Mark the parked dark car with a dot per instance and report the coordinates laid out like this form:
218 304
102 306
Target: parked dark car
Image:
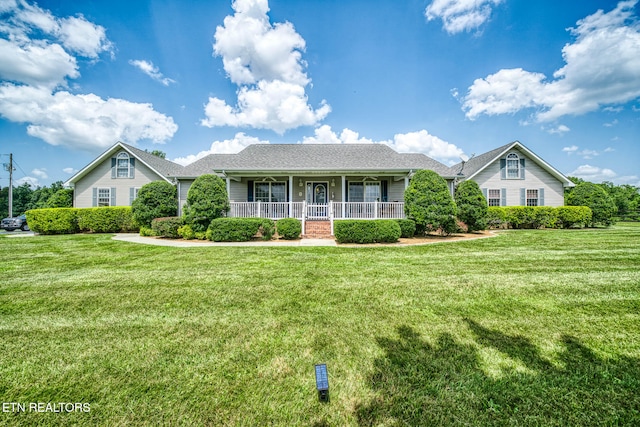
18 222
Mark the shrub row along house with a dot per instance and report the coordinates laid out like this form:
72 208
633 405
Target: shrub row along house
318 183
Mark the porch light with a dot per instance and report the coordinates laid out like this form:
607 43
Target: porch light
322 382
333 182
300 184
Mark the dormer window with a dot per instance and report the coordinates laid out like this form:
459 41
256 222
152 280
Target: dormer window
513 166
122 166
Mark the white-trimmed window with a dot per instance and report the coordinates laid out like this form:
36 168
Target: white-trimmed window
103 197
270 191
513 166
123 165
493 197
368 191
532 197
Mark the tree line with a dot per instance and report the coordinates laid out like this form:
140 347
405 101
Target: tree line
26 197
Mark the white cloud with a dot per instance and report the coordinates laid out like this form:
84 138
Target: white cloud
38 54
461 15
228 146
151 70
265 62
609 149
593 173
588 154
611 124
83 37
40 173
82 121
602 68
559 130
32 181
39 64
70 171
570 150
412 142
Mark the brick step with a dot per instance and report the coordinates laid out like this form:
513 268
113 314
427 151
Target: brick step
315 229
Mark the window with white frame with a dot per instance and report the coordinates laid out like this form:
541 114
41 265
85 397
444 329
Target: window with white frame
493 197
532 197
270 191
123 165
103 197
513 166
368 191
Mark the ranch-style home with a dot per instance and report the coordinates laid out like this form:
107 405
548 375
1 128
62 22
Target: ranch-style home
319 181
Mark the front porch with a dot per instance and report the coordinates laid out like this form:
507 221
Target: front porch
317 212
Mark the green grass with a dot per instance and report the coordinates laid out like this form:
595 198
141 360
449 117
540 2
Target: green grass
528 328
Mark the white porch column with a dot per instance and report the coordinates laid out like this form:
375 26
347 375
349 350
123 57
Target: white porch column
290 196
344 194
406 182
228 187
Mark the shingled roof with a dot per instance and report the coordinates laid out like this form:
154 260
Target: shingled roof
316 158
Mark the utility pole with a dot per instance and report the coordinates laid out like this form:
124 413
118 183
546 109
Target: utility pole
10 168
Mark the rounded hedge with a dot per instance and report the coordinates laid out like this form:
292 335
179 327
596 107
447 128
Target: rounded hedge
289 228
472 205
367 231
207 200
428 202
156 199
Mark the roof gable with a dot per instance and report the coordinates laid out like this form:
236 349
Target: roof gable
161 167
477 164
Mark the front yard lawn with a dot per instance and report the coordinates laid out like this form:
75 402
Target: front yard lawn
528 328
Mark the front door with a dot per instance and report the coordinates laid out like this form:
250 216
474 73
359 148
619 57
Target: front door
317 199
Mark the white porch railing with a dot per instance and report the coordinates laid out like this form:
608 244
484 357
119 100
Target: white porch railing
271 210
333 210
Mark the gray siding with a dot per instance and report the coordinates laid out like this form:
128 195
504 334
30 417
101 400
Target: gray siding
100 177
535 178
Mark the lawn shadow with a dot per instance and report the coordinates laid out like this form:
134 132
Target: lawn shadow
445 383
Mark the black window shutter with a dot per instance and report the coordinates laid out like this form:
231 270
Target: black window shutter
132 168
95 197
503 168
503 197
249 191
113 167
384 190
521 168
346 190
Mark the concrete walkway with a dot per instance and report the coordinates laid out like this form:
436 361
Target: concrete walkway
135 238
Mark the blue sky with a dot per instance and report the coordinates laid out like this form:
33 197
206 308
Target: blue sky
442 77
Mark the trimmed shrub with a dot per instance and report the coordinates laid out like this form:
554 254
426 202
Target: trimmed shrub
233 229
207 200
289 228
429 203
186 232
111 219
53 220
146 231
407 228
472 206
496 217
367 231
167 227
156 199
603 207
570 216
267 228
537 216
